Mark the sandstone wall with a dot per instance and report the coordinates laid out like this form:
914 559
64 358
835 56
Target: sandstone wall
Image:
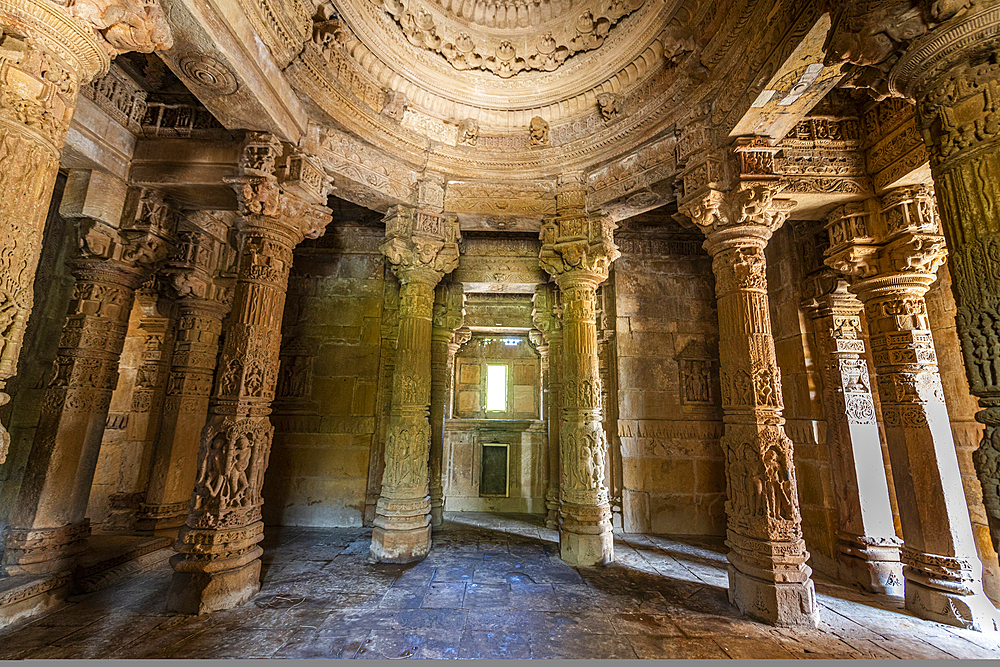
324 411
669 419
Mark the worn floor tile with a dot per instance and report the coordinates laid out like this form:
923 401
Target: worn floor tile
310 645
433 644
577 645
644 624
444 595
494 645
493 587
752 648
451 619
675 648
487 596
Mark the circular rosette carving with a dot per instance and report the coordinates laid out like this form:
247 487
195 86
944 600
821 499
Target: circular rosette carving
208 73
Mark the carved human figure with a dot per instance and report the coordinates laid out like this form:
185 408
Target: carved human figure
468 132
607 104
539 131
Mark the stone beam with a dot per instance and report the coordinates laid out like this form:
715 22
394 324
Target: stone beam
219 55
794 89
192 173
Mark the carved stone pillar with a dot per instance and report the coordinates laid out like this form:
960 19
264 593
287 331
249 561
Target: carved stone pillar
422 247
540 343
48 524
218 561
894 252
140 399
768 576
547 318
47 52
455 343
957 109
867 543
448 314
202 303
577 250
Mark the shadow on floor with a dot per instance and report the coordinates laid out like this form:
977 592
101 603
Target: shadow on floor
492 587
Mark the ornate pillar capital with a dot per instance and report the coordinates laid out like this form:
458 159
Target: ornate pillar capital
421 246
888 245
744 216
280 190
578 248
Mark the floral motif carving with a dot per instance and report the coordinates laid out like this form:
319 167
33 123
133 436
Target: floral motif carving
494 51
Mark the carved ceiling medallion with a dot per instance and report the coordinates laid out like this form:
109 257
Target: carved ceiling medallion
507 38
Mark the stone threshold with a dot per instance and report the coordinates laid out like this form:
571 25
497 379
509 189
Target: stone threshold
111 557
108 558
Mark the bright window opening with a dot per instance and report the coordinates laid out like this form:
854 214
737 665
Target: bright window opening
496 388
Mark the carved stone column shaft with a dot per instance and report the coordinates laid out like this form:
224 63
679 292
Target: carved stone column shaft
447 318
49 522
553 498
894 248
48 51
217 565
546 316
585 535
422 248
768 575
185 409
867 545
958 115
578 249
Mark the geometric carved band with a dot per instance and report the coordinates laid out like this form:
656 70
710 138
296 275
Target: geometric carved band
948 568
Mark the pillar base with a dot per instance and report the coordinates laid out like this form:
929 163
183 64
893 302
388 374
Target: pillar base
194 592
585 537
437 516
949 590
152 518
786 605
972 612
44 551
871 562
390 545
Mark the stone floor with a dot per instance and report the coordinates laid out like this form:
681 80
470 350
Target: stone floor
492 587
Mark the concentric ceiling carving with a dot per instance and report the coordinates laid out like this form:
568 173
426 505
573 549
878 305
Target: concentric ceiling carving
502 55
510 37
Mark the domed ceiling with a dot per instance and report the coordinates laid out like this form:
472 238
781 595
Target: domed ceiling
503 76
504 102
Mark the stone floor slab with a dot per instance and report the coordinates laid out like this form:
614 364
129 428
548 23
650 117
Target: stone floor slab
510 597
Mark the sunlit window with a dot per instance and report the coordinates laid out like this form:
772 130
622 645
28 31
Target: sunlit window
496 388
